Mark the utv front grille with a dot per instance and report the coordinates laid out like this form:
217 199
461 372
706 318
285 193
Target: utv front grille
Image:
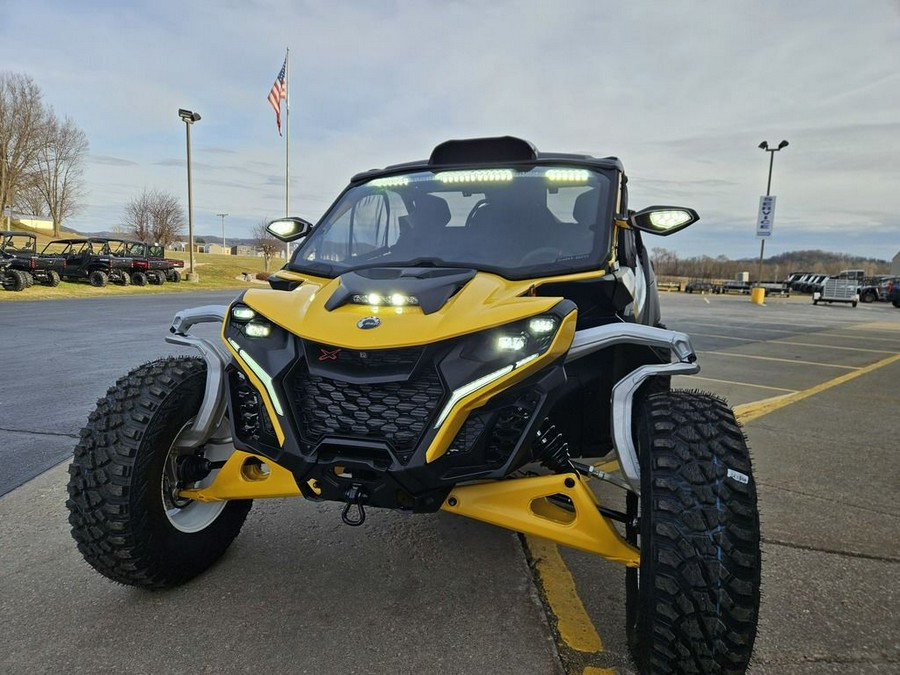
395 412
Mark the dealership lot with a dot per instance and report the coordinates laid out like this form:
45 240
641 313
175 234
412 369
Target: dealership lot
299 592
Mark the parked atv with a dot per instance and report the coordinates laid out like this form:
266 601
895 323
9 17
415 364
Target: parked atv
90 259
148 262
467 333
21 266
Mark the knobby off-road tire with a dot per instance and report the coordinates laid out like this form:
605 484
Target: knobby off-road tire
139 279
693 605
174 276
123 524
98 278
29 279
123 279
51 279
14 280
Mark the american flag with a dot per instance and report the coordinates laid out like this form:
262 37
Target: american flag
278 93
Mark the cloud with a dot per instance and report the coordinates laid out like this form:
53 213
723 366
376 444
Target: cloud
683 92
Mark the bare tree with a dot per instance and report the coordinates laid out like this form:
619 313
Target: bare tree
154 216
265 242
22 118
29 198
60 168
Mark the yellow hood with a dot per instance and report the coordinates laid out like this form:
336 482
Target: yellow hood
484 302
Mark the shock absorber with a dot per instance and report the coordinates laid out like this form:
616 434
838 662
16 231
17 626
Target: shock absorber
551 449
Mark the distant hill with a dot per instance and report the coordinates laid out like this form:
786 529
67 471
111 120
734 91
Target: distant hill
812 260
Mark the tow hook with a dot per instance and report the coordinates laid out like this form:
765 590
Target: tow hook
355 495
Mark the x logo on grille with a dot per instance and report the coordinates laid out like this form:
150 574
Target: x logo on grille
328 354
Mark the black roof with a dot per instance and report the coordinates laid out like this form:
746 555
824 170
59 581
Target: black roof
19 234
500 151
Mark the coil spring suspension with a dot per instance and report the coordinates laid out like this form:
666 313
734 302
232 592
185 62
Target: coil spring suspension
552 450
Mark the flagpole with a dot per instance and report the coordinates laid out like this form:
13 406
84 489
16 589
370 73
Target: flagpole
287 146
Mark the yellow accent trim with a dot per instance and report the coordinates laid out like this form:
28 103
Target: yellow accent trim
521 504
260 388
572 620
445 435
752 411
241 478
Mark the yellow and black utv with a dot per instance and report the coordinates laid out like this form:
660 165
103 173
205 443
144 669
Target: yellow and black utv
467 333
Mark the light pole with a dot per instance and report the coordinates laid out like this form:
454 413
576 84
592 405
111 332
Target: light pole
762 240
189 118
222 216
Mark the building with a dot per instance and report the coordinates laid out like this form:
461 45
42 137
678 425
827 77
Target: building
895 265
34 222
244 250
216 248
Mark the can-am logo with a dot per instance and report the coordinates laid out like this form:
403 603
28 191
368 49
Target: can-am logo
368 322
328 354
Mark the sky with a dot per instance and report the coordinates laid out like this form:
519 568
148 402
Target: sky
682 91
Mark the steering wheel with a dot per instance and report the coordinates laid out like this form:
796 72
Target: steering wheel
478 205
544 254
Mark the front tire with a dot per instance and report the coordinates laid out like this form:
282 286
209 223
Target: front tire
693 605
52 279
126 517
139 279
98 278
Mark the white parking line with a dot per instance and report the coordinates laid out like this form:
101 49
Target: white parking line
851 349
742 384
771 358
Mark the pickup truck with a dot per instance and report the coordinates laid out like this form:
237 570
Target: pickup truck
21 266
90 259
876 288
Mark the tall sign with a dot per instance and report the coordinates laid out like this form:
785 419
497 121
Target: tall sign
765 220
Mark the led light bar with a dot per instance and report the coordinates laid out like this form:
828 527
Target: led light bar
568 175
377 299
477 176
390 181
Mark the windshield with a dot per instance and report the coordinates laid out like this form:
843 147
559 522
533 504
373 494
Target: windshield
17 242
519 224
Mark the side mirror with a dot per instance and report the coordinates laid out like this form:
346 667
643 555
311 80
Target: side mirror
663 220
289 228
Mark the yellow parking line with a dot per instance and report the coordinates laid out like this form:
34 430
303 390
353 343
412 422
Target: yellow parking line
741 384
591 670
771 358
752 411
573 623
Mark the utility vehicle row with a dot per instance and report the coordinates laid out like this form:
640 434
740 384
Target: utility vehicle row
97 260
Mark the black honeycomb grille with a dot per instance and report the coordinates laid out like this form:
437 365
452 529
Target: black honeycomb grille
395 412
468 436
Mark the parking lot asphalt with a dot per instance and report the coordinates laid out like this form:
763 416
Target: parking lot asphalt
301 593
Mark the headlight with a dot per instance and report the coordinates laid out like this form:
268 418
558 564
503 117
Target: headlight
532 336
248 322
242 313
257 329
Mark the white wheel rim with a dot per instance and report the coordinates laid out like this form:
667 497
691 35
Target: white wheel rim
193 516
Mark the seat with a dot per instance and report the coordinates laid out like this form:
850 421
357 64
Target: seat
425 223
